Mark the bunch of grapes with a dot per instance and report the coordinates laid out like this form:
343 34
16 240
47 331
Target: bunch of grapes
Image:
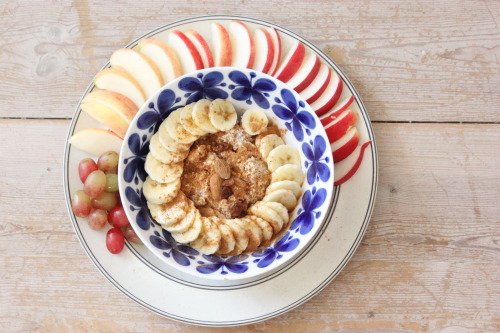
99 201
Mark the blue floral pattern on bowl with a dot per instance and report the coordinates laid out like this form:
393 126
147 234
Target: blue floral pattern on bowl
245 89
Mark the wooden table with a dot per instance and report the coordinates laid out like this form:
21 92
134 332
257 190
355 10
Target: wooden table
429 75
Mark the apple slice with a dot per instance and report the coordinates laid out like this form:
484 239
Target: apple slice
201 45
111 109
243 45
223 51
337 128
277 50
96 141
344 146
142 69
306 73
336 111
163 56
330 96
264 50
119 81
291 63
187 52
347 168
318 85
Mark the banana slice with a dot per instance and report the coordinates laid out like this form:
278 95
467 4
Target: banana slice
161 172
260 209
222 114
162 154
268 143
188 122
267 230
192 233
160 193
240 236
254 234
284 197
210 239
285 185
168 142
176 130
288 172
186 223
280 209
273 129
170 213
254 121
200 116
282 155
228 242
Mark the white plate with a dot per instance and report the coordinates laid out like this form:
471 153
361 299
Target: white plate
141 276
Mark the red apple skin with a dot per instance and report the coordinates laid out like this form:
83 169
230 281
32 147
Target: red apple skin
340 153
277 50
321 90
331 103
192 49
204 45
341 125
252 44
226 52
327 118
293 64
355 167
310 77
270 50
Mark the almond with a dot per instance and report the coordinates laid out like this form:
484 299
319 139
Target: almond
222 169
216 187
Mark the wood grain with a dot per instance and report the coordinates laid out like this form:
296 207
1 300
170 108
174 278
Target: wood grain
411 61
428 263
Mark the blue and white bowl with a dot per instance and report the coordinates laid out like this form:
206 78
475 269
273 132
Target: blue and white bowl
245 89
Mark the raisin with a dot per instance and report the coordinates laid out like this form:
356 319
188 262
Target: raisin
239 209
226 192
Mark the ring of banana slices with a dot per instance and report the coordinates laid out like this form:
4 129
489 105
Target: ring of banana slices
176 213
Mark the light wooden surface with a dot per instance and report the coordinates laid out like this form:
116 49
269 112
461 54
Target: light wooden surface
429 75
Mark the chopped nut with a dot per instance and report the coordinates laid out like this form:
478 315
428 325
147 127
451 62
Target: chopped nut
216 187
222 169
239 182
228 182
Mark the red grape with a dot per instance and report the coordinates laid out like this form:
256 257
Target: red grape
131 235
106 201
108 161
97 219
80 204
111 182
85 167
117 217
115 240
95 184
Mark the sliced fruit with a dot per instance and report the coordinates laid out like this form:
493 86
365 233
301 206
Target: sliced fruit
201 109
267 230
186 222
264 50
254 234
268 131
142 69
188 54
280 209
223 51
171 212
268 143
339 127
160 193
222 114
163 155
282 155
241 237
243 45
228 242
318 85
96 141
288 172
347 168
201 45
163 57
161 172
284 197
260 209
119 81
209 243
176 130
168 142
329 97
336 111
192 233
111 109
291 63
306 73
344 146
285 185
254 121
277 50
186 119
